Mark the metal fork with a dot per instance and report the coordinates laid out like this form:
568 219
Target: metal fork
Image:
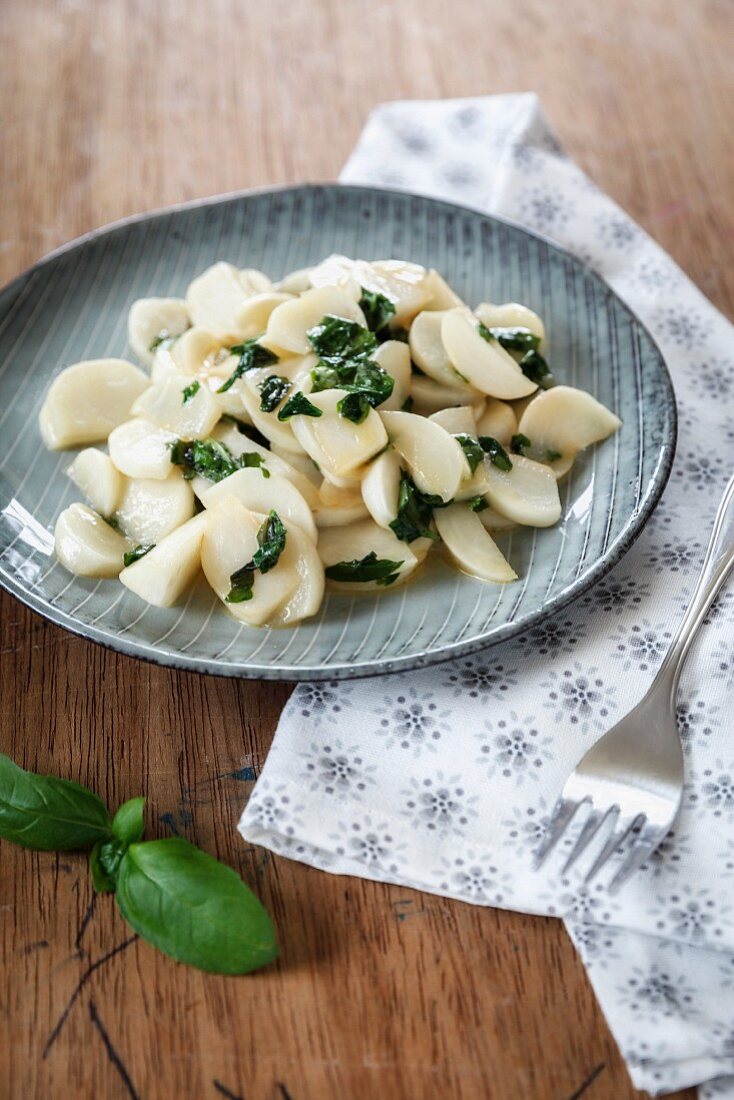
633 777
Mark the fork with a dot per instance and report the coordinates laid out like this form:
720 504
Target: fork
632 778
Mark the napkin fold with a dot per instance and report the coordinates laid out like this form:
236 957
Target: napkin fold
443 779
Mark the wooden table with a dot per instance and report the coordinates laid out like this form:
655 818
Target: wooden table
117 106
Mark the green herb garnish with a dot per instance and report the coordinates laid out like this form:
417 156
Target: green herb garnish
137 553
272 391
369 568
415 511
178 898
519 443
298 405
251 355
377 309
211 459
552 456
164 339
472 449
477 504
498 456
271 542
344 349
407 405
190 391
534 366
354 407
514 339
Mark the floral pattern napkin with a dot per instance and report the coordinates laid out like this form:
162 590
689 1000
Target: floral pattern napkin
443 779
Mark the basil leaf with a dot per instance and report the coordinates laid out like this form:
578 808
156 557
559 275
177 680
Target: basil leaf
104 862
251 355
128 824
516 338
377 309
51 814
242 581
162 340
193 908
251 459
272 391
519 443
369 568
407 405
190 392
535 367
552 456
415 511
498 456
298 405
477 504
208 458
271 540
398 333
335 339
471 448
354 407
324 377
485 333
137 553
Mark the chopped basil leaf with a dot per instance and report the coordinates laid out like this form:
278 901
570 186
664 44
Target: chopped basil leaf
552 456
251 355
211 459
471 448
498 456
272 391
519 443
354 407
516 338
336 339
137 553
377 309
369 568
164 339
112 522
477 504
485 333
271 540
407 405
190 391
415 511
344 349
298 405
534 366
241 581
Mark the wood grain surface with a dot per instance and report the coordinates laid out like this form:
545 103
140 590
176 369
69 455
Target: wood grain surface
116 106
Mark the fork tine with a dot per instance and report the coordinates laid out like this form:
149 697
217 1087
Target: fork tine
592 825
612 844
636 857
564 810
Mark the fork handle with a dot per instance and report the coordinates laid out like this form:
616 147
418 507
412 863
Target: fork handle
716 565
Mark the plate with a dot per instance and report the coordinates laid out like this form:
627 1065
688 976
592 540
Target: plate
73 305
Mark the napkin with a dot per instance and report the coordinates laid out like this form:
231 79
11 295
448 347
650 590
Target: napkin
443 779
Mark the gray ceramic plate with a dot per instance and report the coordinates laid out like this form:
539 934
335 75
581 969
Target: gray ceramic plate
73 305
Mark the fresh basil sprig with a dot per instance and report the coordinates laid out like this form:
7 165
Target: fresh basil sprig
137 552
415 512
378 312
271 540
344 349
175 896
272 391
211 459
189 392
496 453
297 405
519 443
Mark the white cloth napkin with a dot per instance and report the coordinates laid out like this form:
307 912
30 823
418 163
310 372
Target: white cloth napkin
442 779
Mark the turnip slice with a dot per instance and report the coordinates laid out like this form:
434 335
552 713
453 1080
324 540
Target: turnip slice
254 313
87 400
96 475
260 494
182 405
309 590
86 545
215 297
291 321
152 319
527 494
428 352
459 420
471 546
485 364
435 460
430 396
150 508
563 421
165 572
394 357
510 315
498 421
352 543
339 506
336 444
141 449
380 488
442 296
